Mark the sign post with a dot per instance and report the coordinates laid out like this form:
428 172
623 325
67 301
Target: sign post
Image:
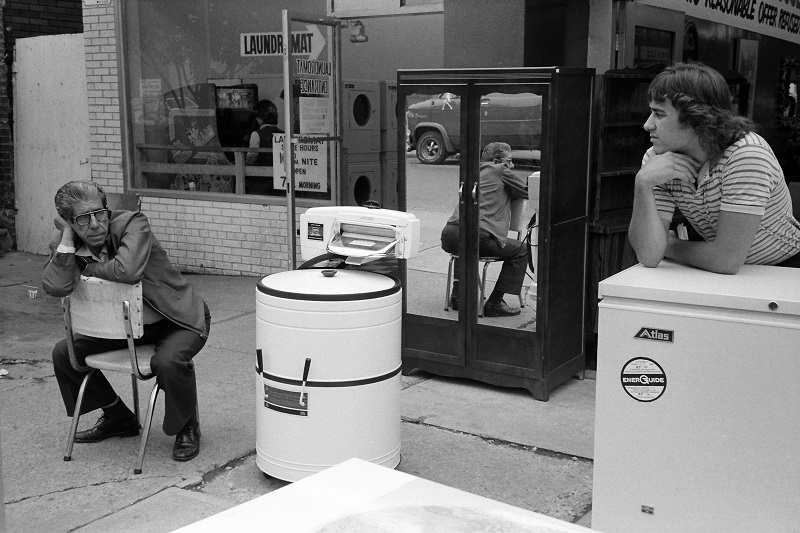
309 153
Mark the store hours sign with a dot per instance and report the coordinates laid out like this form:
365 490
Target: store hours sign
310 165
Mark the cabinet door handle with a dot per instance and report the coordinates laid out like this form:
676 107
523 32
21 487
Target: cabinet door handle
461 193
475 194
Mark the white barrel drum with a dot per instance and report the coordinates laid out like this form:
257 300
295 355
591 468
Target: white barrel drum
328 370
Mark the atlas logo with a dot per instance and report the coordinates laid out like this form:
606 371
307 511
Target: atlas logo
653 334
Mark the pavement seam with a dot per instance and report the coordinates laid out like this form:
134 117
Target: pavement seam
212 474
78 528
67 489
504 443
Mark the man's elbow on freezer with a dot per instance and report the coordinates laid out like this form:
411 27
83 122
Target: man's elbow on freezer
650 261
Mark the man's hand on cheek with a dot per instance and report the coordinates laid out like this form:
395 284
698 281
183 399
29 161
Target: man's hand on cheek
67 233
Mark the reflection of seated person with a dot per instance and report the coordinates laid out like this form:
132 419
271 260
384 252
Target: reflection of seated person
499 186
266 126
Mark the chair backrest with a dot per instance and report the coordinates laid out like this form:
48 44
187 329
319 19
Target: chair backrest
96 308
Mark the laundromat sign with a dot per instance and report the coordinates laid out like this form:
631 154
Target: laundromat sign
268 44
776 18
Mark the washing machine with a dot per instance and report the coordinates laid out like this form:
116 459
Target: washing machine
362 117
362 181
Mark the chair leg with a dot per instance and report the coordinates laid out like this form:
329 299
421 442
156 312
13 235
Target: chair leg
482 282
447 287
135 387
146 429
76 416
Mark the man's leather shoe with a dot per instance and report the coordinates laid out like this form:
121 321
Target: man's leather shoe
492 309
187 443
109 427
453 301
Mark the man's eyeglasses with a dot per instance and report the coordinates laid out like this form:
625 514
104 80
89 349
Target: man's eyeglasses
101 215
508 161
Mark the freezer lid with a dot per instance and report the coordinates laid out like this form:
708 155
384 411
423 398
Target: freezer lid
754 288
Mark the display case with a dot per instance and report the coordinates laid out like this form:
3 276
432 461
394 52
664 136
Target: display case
550 125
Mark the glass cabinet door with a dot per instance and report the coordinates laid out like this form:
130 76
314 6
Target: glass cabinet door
511 114
433 175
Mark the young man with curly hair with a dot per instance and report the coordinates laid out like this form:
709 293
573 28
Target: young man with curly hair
709 162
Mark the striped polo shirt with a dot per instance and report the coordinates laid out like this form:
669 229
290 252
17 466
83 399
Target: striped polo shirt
746 179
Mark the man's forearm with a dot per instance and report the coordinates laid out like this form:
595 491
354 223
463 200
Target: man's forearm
646 231
727 252
702 254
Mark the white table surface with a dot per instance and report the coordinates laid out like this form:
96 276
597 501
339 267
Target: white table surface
358 496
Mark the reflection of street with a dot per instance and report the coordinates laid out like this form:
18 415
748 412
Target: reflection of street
431 195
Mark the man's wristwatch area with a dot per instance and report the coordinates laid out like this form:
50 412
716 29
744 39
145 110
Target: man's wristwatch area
63 249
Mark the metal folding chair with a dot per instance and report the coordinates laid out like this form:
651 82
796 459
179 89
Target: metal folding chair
110 310
481 282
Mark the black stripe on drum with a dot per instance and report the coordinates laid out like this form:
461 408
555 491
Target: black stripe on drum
349 383
281 409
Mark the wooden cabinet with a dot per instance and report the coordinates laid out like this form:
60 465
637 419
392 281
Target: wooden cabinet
621 109
543 346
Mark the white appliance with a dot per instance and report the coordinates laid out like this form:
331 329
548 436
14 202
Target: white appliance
328 346
362 120
698 403
359 233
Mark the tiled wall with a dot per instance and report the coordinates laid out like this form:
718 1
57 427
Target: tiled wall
199 236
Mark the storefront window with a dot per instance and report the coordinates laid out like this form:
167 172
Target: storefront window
205 96
652 46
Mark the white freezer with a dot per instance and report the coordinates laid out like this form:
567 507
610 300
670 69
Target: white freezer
697 417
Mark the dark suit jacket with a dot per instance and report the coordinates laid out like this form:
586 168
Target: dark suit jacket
134 254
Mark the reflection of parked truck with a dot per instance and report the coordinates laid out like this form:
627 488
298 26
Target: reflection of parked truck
433 124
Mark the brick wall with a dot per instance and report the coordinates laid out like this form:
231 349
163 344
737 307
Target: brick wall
200 236
23 18
29 18
220 238
102 84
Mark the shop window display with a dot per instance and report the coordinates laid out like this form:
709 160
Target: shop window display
789 116
196 73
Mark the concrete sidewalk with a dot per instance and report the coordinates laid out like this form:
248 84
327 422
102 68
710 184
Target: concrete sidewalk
495 442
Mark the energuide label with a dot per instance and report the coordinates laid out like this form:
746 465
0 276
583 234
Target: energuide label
643 379
285 401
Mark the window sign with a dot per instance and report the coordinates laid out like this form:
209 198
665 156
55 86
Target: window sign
310 165
265 44
776 18
316 113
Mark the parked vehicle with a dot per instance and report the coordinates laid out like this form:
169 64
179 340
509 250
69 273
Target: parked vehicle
433 124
